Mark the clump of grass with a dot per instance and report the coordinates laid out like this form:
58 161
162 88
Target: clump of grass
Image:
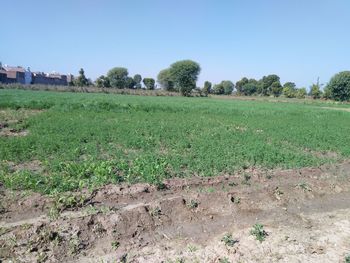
347 259
259 232
228 240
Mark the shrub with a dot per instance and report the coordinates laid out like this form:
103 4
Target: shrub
338 87
315 90
301 93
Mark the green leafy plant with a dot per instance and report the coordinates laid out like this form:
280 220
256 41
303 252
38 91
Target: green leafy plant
259 232
228 240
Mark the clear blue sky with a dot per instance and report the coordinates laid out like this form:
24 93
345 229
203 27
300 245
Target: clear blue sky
299 40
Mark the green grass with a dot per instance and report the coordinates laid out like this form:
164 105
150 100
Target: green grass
88 140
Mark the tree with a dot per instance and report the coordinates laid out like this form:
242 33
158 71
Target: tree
149 83
240 84
184 75
219 89
102 82
207 88
165 81
266 84
250 88
339 86
228 86
118 77
138 79
289 90
81 80
130 83
276 89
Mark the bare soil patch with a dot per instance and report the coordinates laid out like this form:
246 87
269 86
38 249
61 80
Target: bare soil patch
305 213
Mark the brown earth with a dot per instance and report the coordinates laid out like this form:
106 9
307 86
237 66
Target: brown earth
305 212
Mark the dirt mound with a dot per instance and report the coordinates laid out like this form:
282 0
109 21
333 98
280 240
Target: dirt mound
305 214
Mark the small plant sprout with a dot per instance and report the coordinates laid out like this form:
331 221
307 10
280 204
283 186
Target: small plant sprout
259 232
228 240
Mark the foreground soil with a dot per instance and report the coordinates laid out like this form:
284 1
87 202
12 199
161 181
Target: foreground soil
305 213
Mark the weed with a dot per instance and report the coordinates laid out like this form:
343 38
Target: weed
155 212
246 178
259 232
232 184
192 248
228 240
347 259
192 204
304 186
235 200
73 245
224 260
115 244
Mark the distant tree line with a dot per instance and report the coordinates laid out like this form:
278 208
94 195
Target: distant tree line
182 77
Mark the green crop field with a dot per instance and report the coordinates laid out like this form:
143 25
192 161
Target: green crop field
87 140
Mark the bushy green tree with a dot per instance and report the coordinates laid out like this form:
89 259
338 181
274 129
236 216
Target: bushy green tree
218 89
276 89
240 85
165 80
339 86
250 88
137 80
118 77
130 83
149 83
228 86
81 80
265 87
224 87
184 74
102 82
